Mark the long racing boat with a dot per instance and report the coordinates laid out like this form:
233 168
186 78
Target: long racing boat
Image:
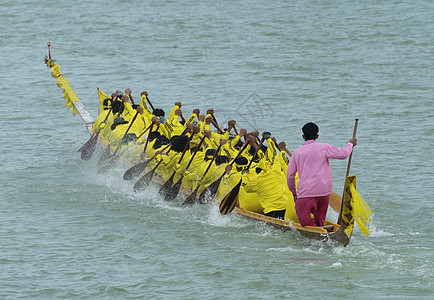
353 208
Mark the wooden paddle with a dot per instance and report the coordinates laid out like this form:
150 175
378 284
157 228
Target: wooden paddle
348 172
211 190
165 189
173 192
137 169
192 197
228 203
88 148
108 163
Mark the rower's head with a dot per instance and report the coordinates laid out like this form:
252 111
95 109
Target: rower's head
221 159
160 141
209 154
238 145
153 135
253 150
179 142
240 163
158 112
310 131
106 104
117 107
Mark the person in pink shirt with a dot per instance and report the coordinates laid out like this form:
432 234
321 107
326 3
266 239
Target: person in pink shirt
315 184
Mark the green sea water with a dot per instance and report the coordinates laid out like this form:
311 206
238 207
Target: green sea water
67 232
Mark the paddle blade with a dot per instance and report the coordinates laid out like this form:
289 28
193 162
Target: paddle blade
88 148
135 170
230 200
144 181
164 190
190 199
107 164
104 156
335 202
173 192
210 191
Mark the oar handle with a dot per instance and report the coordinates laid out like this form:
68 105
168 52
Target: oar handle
216 126
131 98
235 129
351 154
149 101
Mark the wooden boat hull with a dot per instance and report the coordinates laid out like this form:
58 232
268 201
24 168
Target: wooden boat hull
330 231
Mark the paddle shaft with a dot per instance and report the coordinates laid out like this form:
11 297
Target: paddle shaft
126 132
211 190
195 151
192 197
256 152
138 168
235 129
216 125
170 195
348 170
147 139
168 184
131 98
149 101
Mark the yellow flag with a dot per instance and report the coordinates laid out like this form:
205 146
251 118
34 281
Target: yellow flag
101 97
362 211
63 83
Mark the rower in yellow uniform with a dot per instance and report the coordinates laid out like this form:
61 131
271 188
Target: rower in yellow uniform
267 181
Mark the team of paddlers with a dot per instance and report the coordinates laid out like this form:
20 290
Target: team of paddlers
196 154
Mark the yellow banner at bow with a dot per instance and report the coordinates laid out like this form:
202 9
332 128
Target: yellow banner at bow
63 83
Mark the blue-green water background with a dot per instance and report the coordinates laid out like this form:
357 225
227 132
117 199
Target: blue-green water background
67 232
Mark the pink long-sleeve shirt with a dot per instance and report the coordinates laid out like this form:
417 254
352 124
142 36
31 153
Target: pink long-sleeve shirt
311 161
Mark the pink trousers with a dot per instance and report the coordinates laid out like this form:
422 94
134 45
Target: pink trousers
316 205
